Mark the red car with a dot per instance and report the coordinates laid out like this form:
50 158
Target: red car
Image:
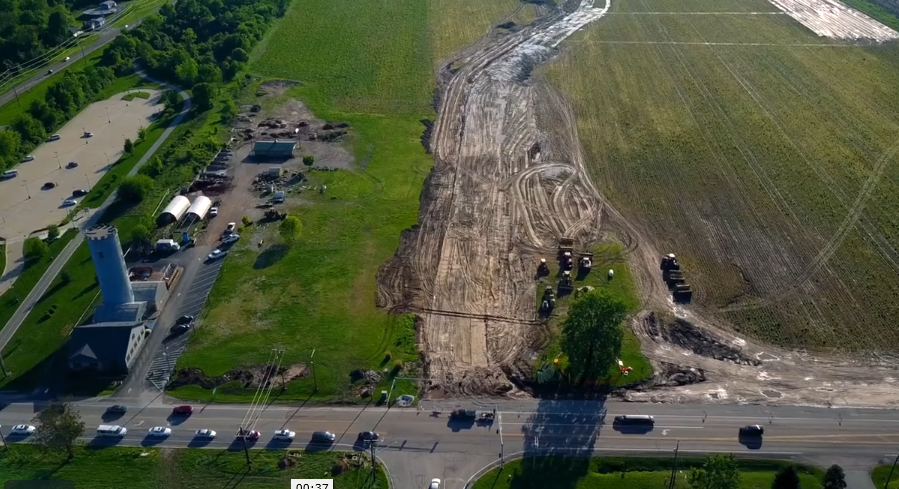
250 435
183 410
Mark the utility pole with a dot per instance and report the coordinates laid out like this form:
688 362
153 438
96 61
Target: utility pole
889 477
16 92
502 446
314 378
83 56
246 450
372 447
674 467
6 373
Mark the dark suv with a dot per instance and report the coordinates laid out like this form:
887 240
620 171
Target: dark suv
183 411
117 409
752 430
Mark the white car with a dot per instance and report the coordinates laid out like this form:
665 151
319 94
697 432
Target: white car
205 434
231 226
231 238
68 58
54 137
285 435
28 158
22 429
69 202
435 484
214 211
215 255
159 431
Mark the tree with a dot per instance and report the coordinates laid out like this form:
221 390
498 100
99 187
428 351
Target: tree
717 472
209 73
204 94
229 110
35 249
10 142
129 146
834 478
140 234
592 335
134 189
309 160
30 129
187 71
786 478
141 133
58 427
291 229
52 232
246 221
65 276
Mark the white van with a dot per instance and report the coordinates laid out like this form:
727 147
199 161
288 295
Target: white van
9 174
111 430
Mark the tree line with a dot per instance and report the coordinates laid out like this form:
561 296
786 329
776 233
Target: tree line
28 28
63 100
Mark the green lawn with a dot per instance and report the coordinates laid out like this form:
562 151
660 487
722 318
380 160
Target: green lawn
2 259
765 163
187 469
133 95
606 472
875 11
880 474
605 257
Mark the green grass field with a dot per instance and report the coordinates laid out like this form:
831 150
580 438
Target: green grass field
768 164
456 24
185 469
881 473
605 257
603 472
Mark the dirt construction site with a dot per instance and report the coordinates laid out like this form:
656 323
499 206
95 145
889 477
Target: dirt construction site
509 181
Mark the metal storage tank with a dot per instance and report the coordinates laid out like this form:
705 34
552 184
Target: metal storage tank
174 211
106 252
200 207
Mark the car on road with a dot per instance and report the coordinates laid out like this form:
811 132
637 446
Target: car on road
435 484
181 328
285 435
248 434
68 58
87 134
117 409
208 434
159 431
185 320
69 202
79 192
231 238
54 137
323 437
214 211
28 158
49 72
368 436
215 255
752 430
49 185
72 164
22 430
182 410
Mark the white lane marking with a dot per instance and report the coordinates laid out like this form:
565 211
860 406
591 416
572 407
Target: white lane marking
665 432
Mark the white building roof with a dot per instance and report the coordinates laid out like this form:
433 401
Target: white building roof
177 207
200 207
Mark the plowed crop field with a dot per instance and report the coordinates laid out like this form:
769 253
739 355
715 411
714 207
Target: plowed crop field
766 157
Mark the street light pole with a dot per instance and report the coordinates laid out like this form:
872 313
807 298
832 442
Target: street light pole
26 190
88 182
107 158
108 120
57 160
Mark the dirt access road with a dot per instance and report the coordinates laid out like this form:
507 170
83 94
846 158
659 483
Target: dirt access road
509 180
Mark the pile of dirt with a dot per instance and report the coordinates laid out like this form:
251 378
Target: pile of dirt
369 376
685 335
290 460
479 381
249 378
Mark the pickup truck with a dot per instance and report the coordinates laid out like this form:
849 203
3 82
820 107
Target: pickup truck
485 417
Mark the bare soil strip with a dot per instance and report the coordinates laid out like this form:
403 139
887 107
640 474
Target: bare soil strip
831 18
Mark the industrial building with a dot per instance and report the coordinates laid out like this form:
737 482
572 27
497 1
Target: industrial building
173 212
199 208
116 335
274 149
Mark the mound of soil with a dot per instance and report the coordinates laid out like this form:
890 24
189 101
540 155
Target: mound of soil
249 378
685 335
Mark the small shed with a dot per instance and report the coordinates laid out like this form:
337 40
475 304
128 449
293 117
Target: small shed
274 149
174 211
200 207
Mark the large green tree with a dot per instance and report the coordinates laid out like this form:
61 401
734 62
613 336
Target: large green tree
134 189
717 472
291 229
834 478
59 427
35 249
592 334
786 478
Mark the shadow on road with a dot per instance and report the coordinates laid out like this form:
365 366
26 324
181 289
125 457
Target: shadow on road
104 442
152 441
750 442
199 442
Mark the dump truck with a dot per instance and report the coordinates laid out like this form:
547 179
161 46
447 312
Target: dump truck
673 277
565 283
585 262
669 262
682 293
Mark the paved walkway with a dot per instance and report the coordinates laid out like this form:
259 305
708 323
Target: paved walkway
41 287
859 479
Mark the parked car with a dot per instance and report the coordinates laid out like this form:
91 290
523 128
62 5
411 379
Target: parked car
72 164
87 134
183 410
323 437
435 484
159 431
22 430
231 238
231 226
69 202
54 137
28 158
117 409
49 185
185 320
181 328
285 435
79 192
205 434
214 211
215 255
752 430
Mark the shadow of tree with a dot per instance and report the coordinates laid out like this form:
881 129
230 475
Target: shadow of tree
270 256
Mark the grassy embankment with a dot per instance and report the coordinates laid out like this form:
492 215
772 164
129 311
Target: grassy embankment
195 469
621 286
880 474
625 473
763 162
371 67
875 11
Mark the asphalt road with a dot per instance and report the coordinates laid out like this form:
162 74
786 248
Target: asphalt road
41 287
106 37
417 445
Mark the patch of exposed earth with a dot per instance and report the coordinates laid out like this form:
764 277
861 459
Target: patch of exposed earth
248 377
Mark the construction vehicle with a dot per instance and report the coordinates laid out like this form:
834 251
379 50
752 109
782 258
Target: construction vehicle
542 268
585 262
669 262
682 293
566 245
548 302
567 261
485 417
565 283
